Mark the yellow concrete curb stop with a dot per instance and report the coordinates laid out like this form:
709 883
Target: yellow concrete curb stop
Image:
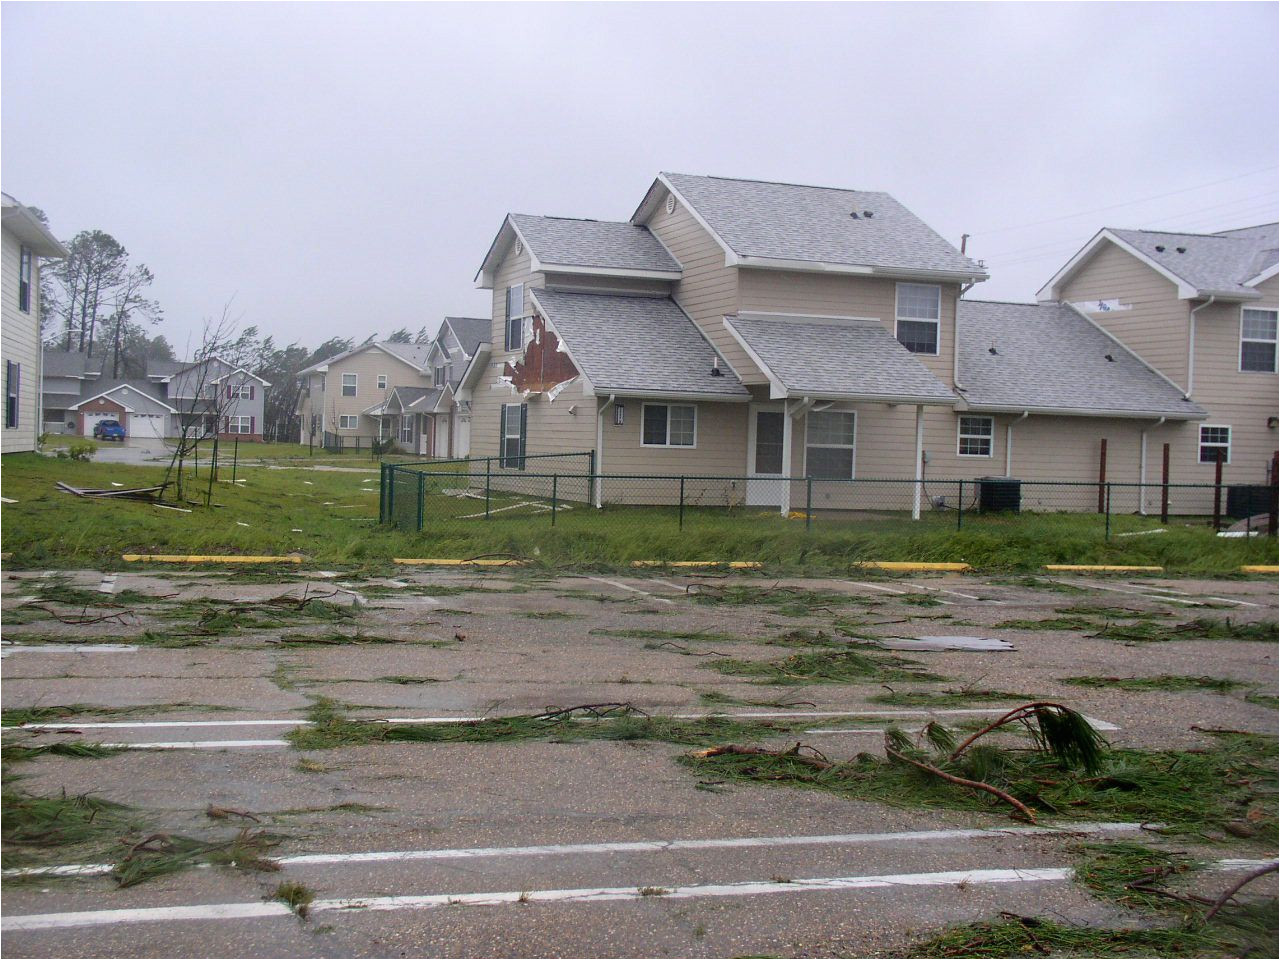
1260 568
732 564
480 562
202 558
909 566
1101 568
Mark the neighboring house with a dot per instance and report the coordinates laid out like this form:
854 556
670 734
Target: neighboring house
211 395
343 399
774 331
445 428
25 241
1201 309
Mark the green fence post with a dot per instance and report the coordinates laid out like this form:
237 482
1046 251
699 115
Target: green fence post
422 497
554 478
391 496
382 493
1108 509
235 459
488 482
682 502
808 503
960 506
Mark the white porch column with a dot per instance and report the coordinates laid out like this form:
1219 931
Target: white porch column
918 486
785 500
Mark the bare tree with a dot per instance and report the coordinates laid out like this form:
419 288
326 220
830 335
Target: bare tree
130 304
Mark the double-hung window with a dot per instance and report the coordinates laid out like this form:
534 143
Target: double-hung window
513 427
349 383
240 425
974 436
240 391
669 425
24 279
1258 340
12 386
382 381
346 422
828 444
439 376
515 317
1215 440
918 313
406 429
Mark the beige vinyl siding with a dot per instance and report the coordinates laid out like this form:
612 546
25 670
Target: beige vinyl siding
1155 327
21 344
550 428
367 365
708 290
721 442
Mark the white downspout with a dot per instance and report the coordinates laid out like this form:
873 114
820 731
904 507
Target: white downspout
600 447
919 484
1142 465
1008 443
955 341
1191 345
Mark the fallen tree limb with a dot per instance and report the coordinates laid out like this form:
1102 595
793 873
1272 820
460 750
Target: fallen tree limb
1238 886
962 782
817 760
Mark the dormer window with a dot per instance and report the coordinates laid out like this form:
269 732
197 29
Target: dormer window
439 376
918 315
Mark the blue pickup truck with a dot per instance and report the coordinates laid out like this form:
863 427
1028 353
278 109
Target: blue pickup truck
108 430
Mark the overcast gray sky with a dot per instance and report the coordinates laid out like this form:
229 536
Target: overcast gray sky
341 168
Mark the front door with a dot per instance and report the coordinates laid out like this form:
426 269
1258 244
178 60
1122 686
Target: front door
766 439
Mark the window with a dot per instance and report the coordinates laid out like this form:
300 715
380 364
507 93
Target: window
1258 340
669 425
240 391
515 317
439 376
349 382
511 435
918 311
24 279
12 384
974 437
406 429
382 381
348 422
239 424
1212 440
828 445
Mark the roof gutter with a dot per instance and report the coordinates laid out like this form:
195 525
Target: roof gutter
1191 346
1082 412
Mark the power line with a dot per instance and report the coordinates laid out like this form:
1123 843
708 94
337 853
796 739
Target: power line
1128 203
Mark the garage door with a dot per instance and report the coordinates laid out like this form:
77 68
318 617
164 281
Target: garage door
91 419
146 426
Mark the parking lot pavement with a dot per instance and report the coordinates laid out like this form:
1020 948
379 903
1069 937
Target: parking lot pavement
536 847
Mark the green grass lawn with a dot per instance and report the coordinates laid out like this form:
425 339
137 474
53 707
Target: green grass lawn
331 518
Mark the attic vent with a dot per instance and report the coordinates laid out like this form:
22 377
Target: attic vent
1110 358
1182 249
1159 249
671 203
519 246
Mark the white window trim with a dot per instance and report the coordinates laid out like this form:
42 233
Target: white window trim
508 317
853 467
511 461
1244 340
937 343
342 418
239 391
406 427
1200 444
382 381
989 437
355 384
674 446
235 423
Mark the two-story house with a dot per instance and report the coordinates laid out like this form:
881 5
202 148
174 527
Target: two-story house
1201 309
24 240
775 331
430 420
216 397
343 399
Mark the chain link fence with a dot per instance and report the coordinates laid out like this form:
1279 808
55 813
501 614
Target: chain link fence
450 497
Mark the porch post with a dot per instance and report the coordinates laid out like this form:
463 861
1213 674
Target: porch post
918 486
784 502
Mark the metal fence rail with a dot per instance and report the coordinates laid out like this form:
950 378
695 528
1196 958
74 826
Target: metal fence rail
451 497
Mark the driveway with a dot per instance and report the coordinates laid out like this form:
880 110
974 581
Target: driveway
134 450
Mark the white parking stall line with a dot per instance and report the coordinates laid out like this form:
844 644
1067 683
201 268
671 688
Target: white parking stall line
239 911
668 584
67 648
953 593
1133 593
876 586
638 846
1239 603
623 586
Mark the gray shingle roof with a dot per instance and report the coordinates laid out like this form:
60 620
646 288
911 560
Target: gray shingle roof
413 353
1049 357
817 357
1212 263
785 221
165 368
470 331
411 397
151 391
68 363
593 243
636 345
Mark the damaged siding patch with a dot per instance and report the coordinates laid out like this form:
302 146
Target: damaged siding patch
545 366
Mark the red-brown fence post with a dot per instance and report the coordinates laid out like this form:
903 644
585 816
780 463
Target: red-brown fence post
1102 477
1164 488
1217 490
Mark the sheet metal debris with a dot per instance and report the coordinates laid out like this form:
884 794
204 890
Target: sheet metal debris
971 644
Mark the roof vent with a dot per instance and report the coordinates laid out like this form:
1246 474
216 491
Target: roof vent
1182 249
868 214
993 351
1110 358
715 367
1159 248
671 203
854 214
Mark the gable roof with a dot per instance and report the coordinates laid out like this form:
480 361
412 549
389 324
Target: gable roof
829 358
637 346
1050 358
26 226
1226 265
567 245
816 229
136 388
417 399
414 354
470 331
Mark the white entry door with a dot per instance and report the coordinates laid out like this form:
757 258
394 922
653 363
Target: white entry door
767 435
